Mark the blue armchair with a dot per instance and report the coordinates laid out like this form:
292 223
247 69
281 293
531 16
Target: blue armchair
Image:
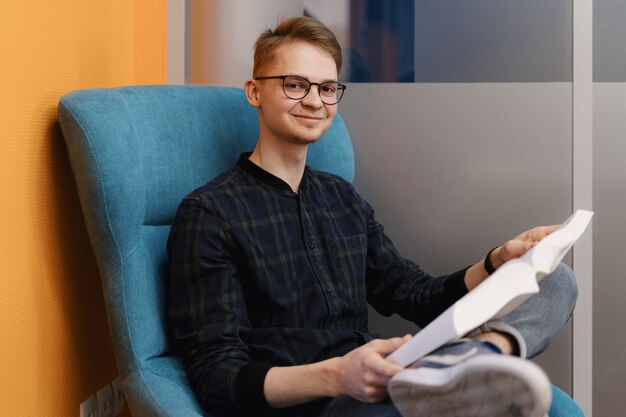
135 152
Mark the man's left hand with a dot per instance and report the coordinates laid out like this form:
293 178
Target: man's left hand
519 245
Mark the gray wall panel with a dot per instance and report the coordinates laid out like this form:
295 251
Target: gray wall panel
609 48
454 169
493 40
609 291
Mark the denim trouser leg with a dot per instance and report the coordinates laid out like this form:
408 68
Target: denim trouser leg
562 406
537 322
349 407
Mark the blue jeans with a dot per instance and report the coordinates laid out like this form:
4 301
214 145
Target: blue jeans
536 324
562 406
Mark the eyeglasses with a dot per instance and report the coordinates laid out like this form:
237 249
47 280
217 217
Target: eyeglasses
296 88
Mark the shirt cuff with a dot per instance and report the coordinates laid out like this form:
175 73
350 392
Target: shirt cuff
455 283
249 386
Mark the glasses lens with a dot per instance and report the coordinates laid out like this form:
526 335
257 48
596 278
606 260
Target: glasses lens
331 92
328 91
296 87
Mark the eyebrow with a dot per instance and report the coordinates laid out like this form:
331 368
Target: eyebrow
321 82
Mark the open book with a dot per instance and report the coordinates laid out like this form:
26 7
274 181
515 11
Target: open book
499 294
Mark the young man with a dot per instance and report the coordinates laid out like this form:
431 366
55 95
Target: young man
273 264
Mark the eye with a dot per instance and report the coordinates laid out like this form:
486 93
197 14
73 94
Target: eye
329 88
296 84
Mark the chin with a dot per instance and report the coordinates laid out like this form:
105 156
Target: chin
310 136
303 140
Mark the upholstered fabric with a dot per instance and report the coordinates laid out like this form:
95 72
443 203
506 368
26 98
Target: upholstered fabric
135 152
563 405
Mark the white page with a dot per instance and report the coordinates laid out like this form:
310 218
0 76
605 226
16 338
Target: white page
507 288
548 253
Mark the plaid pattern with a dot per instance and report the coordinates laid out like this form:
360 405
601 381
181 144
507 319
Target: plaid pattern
262 276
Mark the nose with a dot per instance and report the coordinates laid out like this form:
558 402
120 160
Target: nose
313 99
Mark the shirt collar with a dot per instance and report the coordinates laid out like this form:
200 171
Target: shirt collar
265 177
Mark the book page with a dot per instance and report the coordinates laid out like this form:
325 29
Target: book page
507 288
548 253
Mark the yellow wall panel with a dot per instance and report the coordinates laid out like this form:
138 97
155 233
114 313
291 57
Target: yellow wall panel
55 350
149 57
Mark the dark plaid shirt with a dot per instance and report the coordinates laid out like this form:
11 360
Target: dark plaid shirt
262 276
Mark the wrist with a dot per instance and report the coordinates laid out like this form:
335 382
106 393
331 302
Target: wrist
331 377
291 385
490 267
496 258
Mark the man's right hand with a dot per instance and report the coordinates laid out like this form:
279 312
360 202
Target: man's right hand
364 372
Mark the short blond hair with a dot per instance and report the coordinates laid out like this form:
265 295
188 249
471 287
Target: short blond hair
299 28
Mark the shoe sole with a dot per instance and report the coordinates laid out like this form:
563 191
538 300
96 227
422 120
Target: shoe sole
483 386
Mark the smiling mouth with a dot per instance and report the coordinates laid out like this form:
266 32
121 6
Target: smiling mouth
309 121
307 117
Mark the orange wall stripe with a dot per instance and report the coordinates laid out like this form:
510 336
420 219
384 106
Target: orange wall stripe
55 350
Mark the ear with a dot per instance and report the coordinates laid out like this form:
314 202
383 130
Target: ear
252 93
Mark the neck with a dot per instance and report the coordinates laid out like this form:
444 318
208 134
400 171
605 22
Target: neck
287 163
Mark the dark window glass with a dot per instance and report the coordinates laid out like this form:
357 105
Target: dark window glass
453 40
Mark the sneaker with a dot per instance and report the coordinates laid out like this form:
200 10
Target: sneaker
470 378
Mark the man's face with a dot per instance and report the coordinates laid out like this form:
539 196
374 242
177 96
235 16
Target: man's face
296 121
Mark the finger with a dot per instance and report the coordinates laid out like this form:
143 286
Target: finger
384 346
375 379
537 233
528 236
546 230
374 394
513 249
382 366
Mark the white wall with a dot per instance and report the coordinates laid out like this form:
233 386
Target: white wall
221 36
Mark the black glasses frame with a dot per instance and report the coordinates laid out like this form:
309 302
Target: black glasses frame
341 88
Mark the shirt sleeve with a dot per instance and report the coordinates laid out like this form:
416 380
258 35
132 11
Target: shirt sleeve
398 285
208 315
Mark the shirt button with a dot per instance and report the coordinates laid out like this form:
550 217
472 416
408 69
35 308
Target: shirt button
327 289
311 245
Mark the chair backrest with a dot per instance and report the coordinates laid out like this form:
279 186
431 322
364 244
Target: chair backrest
135 152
